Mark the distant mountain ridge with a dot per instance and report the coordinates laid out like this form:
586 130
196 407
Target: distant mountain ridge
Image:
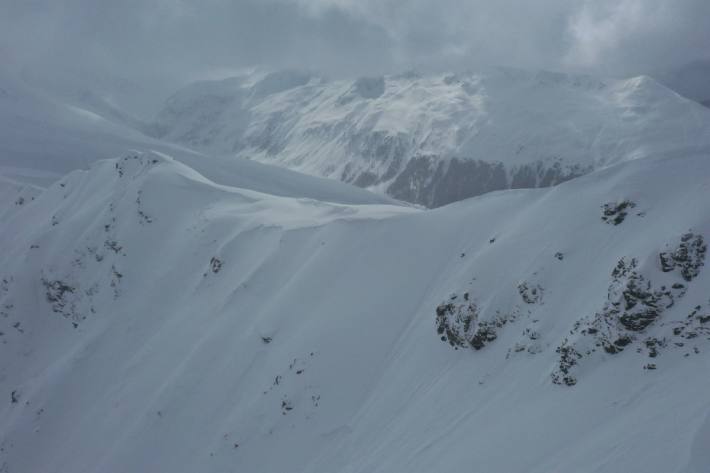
435 139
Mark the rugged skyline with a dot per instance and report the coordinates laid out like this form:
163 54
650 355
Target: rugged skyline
158 45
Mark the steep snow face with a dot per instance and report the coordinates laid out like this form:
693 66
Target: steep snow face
432 140
153 320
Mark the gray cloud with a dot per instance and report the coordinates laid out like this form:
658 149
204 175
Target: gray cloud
609 36
162 44
625 36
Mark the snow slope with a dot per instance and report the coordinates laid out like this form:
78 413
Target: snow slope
436 139
43 137
153 320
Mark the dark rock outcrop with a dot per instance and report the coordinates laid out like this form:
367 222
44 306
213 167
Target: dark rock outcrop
614 213
688 257
458 322
634 305
433 182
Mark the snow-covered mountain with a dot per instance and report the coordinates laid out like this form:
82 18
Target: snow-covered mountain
154 320
170 310
432 140
43 137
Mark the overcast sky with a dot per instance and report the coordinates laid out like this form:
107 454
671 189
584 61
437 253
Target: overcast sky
173 41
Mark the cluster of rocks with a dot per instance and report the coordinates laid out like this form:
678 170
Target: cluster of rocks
529 343
456 321
291 385
634 304
531 294
459 322
143 217
75 300
128 163
632 316
59 294
688 257
6 305
615 213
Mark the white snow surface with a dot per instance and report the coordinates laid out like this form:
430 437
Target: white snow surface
43 137
168 310
154 320
367 130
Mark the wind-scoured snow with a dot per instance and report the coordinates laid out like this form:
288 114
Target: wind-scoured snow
155 320
435 139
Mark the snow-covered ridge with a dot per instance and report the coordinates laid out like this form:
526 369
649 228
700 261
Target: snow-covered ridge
153 320
436 139
44 137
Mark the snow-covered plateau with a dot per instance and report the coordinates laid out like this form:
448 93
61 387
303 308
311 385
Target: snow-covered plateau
169 310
